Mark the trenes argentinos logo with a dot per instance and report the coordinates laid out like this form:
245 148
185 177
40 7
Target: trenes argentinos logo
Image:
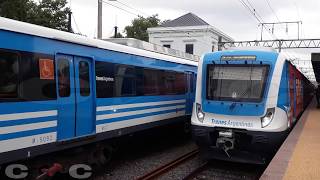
106 79
230 123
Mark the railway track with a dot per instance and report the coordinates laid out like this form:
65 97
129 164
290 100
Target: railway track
226 170
208 170
197 171
169 166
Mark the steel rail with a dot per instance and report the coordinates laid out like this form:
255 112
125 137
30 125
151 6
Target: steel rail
162 169
197 171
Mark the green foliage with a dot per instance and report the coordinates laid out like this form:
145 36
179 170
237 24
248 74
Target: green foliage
139 26
49 13
119 35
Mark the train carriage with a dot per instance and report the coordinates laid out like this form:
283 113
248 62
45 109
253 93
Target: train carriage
246 102
60 90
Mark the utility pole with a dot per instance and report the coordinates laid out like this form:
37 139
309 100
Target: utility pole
115 31
261 31
69 22
99 19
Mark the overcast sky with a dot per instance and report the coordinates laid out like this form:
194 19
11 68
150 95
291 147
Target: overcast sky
230 16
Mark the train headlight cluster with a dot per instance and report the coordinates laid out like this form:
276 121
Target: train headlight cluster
267 118
200 113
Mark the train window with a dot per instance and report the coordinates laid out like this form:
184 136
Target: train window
37 77
64 78
151 82
84 78
125 84
115 80
236 82
8 74
168 83
104 79
181 83
139 81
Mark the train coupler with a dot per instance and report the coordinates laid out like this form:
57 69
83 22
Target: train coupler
225 141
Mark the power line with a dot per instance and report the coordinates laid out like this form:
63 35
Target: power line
168 28
255 13
268 2
74 19
250 10
121 9
75 22
130 7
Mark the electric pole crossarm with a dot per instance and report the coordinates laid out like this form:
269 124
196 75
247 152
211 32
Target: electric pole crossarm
277 44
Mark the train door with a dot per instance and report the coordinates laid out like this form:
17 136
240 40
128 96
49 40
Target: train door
75 96
191 91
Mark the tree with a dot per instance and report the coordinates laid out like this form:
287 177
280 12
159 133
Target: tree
139 26
49 13
22 10
119 35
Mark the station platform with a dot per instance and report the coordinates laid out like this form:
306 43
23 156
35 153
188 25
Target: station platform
299 155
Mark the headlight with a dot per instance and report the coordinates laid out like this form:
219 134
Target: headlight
199 112
266 119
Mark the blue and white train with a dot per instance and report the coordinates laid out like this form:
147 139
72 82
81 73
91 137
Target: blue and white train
60 90
246 102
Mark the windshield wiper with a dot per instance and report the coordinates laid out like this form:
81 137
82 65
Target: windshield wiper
233 105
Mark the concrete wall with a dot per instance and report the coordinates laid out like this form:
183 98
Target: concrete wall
202 37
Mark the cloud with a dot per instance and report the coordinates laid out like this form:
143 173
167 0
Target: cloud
230 16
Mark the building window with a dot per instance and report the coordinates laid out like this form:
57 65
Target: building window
189 48
167 45
212 48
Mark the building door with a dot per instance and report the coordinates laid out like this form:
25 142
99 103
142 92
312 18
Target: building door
75 96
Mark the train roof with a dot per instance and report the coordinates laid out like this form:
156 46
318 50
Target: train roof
253 48
242 52
31 29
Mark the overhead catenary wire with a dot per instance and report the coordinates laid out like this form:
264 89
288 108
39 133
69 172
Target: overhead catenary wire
131 7
248 5
74 19
275 14
253 11
121 8
168 28
75 22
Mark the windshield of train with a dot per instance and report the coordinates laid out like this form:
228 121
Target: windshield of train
236 82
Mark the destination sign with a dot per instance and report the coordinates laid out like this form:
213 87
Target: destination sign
238 58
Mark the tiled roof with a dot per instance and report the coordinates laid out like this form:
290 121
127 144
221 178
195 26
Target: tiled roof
186 20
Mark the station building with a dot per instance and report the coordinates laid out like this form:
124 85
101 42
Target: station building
188 33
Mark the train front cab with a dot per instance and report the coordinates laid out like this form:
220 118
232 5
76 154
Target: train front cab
242 105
